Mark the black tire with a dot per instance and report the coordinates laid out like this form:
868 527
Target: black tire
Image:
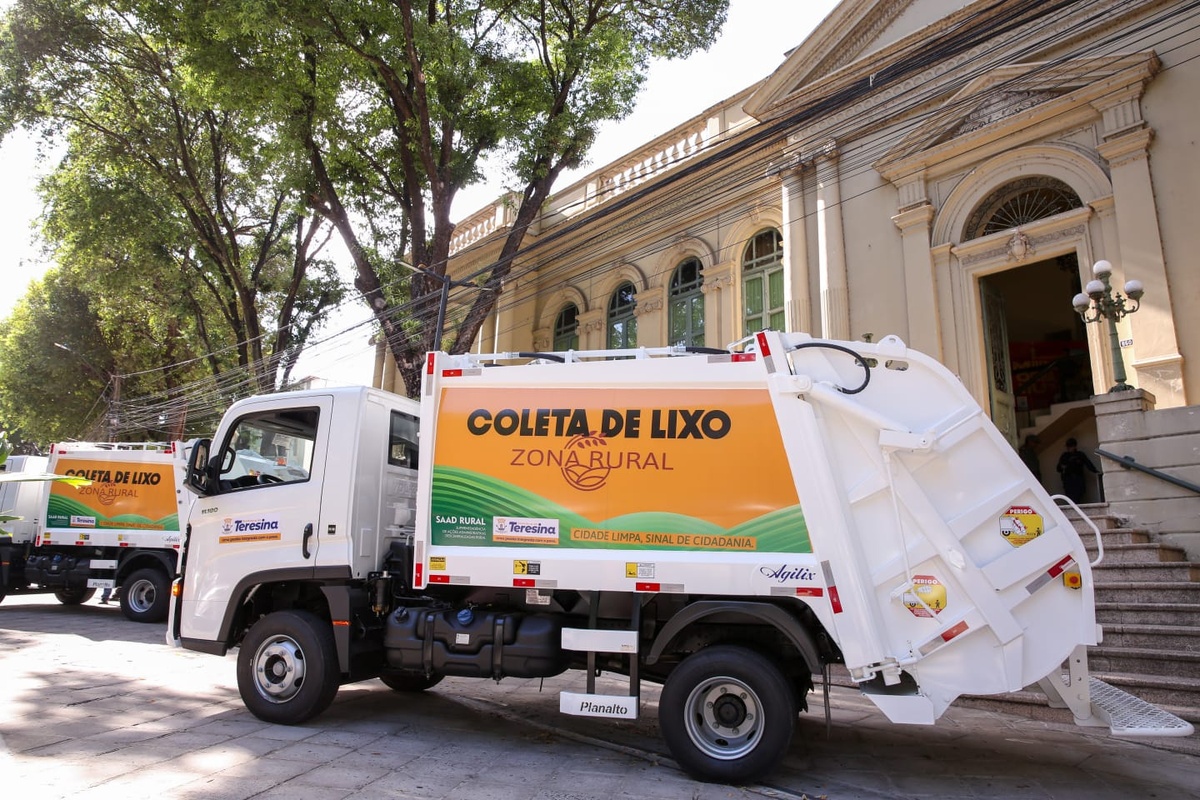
287 668
409 683
146 595
727 713
74 596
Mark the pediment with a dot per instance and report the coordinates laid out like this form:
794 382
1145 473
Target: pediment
853 31
1024 92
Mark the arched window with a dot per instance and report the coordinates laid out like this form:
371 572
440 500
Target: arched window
566 328
762 283
1020 202
622 324
686 317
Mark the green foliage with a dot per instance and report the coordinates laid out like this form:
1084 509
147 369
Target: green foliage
182 220
396 103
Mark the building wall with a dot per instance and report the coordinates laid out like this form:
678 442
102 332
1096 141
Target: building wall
872 194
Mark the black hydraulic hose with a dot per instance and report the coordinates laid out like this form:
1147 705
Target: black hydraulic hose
546 356
857 357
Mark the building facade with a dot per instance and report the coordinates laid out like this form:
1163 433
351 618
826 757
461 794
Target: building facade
948 172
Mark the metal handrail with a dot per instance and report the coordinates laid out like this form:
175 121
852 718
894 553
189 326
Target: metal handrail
1128 463
1090 524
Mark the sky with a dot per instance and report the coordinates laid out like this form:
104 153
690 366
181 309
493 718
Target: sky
754 41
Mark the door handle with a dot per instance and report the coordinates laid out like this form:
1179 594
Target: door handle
308 530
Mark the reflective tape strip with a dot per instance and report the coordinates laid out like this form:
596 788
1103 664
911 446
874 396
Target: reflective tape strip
439 578
835 600
645 587
946 635
1058 569
524 583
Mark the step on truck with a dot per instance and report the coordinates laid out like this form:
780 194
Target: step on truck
726 523
120 532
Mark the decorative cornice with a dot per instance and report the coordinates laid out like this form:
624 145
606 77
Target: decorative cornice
1130 147
1008 250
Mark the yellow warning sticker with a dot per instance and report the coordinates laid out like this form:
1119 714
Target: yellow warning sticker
437 563
932 596
1020 525
634 569
522 567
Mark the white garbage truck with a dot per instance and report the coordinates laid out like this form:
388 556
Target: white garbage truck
119 532
728 523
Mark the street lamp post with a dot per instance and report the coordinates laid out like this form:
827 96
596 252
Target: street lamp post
1107 305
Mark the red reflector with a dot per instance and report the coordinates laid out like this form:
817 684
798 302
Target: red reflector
1058 568
955 631
810 591
762 344
418 572
743 357
834 600
452 373
645 587
439 578
524 583
341 623
429 363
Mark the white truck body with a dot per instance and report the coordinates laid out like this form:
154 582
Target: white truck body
120 532
726 522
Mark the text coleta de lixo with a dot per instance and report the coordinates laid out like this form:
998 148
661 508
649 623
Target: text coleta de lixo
131 477
632 423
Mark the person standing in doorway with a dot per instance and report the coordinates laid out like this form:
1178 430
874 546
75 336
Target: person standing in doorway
1071 465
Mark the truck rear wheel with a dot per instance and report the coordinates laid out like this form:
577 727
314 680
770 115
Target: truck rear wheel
74 596
287 667
146 595
727 714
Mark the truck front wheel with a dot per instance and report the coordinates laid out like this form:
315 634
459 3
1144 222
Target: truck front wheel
287 667
74 596
727 714
146 595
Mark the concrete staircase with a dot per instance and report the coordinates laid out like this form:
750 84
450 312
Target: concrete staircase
1148 602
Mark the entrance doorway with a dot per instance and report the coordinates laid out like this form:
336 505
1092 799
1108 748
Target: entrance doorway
1037 349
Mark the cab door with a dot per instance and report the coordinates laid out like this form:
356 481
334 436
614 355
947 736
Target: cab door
259 522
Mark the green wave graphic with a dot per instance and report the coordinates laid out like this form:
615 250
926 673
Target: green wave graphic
60 509
460 492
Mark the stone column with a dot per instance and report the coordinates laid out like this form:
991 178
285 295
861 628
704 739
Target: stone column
798 304
835 296
517 308
718 322
651 322
1155 348
920 288
592 334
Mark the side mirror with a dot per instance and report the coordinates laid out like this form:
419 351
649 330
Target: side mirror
199 479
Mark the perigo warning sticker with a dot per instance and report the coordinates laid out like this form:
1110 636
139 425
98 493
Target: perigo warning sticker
1020 525
932 594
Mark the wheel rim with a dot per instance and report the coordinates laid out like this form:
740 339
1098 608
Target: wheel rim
279 669
723 718
140 596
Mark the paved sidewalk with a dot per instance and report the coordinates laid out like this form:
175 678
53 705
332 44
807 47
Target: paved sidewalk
95 706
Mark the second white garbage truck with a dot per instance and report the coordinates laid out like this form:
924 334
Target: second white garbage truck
727 523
